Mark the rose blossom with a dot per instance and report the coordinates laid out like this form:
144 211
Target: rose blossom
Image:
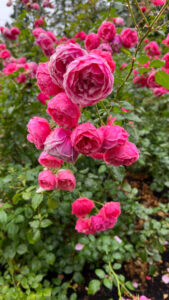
106 31
166 58
125 154
50 161
88 80
105 47
82 206
38 129
166 41
152 49
35 6
118 21
47 180
141 80
66 180
129 38
15 31
81 35
5 54
38 31
65 113
86 139
107 56
158 92
92 41
97 155
45 82
83 225
58 144
2 47
59 61
112 136
116 44
158 2
98 223
42 98
110 210
79 247
151 82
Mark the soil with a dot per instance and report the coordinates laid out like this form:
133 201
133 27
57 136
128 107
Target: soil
136 271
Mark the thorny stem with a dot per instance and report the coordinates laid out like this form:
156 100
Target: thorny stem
105 108
157 28
133 17
143 15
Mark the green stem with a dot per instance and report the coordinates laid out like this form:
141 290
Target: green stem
98 114
117 280
142 14
133 17
105 108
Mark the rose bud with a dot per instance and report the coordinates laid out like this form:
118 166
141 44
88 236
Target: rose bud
38 129
50 161
47 180
66 180
82 206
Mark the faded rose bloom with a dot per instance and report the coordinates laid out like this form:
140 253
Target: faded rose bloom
79 247
152 49
92 41
118 21
107 31
47 180
129 38
50 161
65 113
38 129
112 136
60 60
107 56
88 80
86 139
5 54
118 239
165 279
44 81
42 98
156 3
116 44
66 180
32 67
83 225
105 47
82 206
125 155
58 144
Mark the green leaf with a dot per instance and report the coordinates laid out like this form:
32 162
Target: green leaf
36 200
132 117
45 223
22 248
94 286
73 296
102 169
108 283
156 63
100 273
162 78
144 70
117 266
129 286
3 217
143 60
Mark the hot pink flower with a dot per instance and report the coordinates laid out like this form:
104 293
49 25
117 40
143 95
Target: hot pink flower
10 68
2 47
146 41
125 110
58 144
118 21
152 49
107 56
65 113
141 80
15 31
107 31
151 82
125 155
38 129
98 223
39 22
45 82
144 298
105 47
112 136
83 225
66 180
50 161
52 36
166 58
42 98
35 6
110 210
81 35
86 139
92 41
166 41
21 78
123 66
116 44
82 206
60 60
21 60
156 3
97 155
158 92
38 31
129 38
47 180
88 80
143 8
5 54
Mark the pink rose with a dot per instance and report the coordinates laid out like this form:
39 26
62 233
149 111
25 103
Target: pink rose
105 47
125 155
38 129
98 223
10 68
141 80
60 60
58 144
129 38
151 82
50 161
83 225
32 67
39 22
166 58
158 92
110 210
2 47
107 31
5 54
38 31
47 180
88 80
158 2
15 31
92 41
21 60
143 8
81 35
82 206
42 98
118 21
21 78
116 44
65 113
45 82
44 41
166 41
112 136
52 36
66 180
152 49
86 139
144 298
97 155
107 56
35 6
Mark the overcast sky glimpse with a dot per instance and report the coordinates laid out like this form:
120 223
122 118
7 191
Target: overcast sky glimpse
5 12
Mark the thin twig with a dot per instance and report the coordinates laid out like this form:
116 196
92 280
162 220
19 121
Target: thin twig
143 15
133 17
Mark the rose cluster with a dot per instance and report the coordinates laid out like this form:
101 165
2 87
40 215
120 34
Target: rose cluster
32 4
147 79
11 34
45 39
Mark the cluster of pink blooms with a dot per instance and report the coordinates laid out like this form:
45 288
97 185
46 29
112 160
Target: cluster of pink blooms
140 298
45 39
32 4
11 34
105 219
39 22
148 79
